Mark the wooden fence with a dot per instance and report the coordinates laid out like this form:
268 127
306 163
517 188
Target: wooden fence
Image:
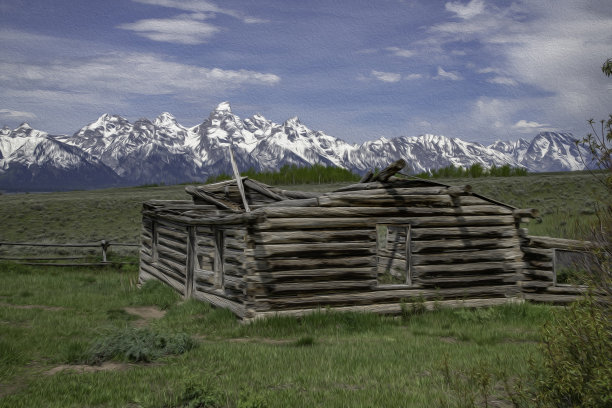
46 260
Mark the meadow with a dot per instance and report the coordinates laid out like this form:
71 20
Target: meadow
327 359
90 337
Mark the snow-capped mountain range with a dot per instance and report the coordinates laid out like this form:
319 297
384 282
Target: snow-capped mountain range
112 151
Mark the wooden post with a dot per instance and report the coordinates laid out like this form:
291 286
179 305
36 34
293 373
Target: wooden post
191 261
105 246
408 255
238 180
554 266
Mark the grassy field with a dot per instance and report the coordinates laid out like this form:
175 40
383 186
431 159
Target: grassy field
449 358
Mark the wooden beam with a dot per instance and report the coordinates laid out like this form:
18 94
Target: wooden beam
238 180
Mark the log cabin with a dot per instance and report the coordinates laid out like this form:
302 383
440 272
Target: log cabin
381 245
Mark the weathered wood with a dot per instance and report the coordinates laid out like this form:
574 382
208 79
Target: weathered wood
312 249
296 237
387 308
461 244
220 301
304 202
148 273
375 296
261 189
569 244
463 232
327 212
169 266
199 193
441 221
179 236
238 179
381 200
190 262
310 275
389 171
318 263
172 244
469 267
542 252
490 255
301 287
299 194
538 274
468 280
165 252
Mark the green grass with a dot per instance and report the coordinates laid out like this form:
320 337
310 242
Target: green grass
293 174
325 359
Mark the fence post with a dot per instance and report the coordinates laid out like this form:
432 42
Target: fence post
105 246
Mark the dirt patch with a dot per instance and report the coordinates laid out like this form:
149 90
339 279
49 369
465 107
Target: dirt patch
450 340
82 368
42 307
145 313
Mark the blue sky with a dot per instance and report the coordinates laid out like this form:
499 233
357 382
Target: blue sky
358 70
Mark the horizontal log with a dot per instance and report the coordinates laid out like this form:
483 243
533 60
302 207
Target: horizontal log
463 232
538 251
178 236
470 280
567 289
569 244
490 267
298 195
165 252
234 270
180 247
460 257
168 264
376 296
311 249
304 202
310 275
387 308
304 263
442 221
301 287
538 274
204 276
395 211
296 237
535 264
459 244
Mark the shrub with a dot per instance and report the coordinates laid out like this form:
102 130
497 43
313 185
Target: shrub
577 364
137 345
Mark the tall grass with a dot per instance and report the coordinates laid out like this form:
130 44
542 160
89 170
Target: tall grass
294 174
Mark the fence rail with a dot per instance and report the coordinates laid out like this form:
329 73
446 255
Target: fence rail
103 245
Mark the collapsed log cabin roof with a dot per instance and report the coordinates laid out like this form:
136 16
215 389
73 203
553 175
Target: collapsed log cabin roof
222 203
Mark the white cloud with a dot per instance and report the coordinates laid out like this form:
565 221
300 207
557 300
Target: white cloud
411 77
453 76
386 76
501 80
524 126
119 74
400 52
467 11
183 29
201 6
13 114
489 70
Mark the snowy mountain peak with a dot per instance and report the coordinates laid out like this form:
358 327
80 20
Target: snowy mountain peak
224 107
24 126
294 121
165 120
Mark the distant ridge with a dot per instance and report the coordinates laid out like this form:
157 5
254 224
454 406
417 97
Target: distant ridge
111 151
